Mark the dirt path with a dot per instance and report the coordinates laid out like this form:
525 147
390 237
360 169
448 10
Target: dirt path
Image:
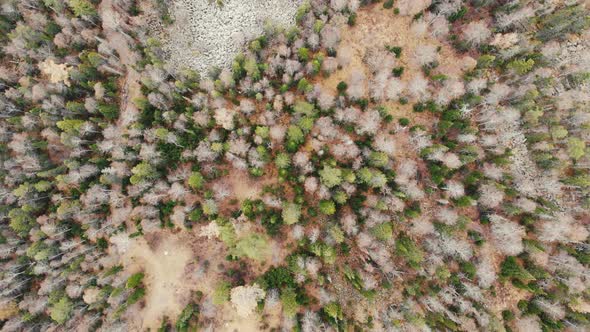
111 25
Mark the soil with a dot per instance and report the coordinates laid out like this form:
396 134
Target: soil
232 322
164 260
268 320
176 265
8 310
377 28
245 187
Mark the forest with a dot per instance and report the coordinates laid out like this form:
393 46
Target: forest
295 165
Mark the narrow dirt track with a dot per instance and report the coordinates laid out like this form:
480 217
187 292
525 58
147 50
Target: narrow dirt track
120 42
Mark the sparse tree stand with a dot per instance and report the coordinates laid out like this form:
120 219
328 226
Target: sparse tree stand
429 172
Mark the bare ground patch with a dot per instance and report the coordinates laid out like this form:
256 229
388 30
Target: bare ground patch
163 257
244 187
268 320
175 266
378 28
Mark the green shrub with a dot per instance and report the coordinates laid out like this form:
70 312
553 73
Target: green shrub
511 269
291 213
278 278
383 232
341 87
327 207
352 19
395 50
136 296
109 111
82 8
61 311
254 246
221 293
330 176
190 311
458 15
334 311
406 248
135 280
289 302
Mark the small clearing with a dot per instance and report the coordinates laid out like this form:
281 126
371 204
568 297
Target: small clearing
231 321
175 265
378 28
207 34
163 257
244 187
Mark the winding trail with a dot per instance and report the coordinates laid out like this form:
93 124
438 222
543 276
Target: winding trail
120 42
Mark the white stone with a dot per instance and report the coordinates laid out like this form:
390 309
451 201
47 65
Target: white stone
205 34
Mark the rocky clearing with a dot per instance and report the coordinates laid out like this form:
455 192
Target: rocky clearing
205 34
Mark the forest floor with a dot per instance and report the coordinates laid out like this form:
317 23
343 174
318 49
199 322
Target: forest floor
245 187
378 28
271 319
177 264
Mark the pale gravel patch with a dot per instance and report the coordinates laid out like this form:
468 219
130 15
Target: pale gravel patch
206 35
57 73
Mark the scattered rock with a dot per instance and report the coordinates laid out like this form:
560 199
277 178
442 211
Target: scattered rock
205 34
